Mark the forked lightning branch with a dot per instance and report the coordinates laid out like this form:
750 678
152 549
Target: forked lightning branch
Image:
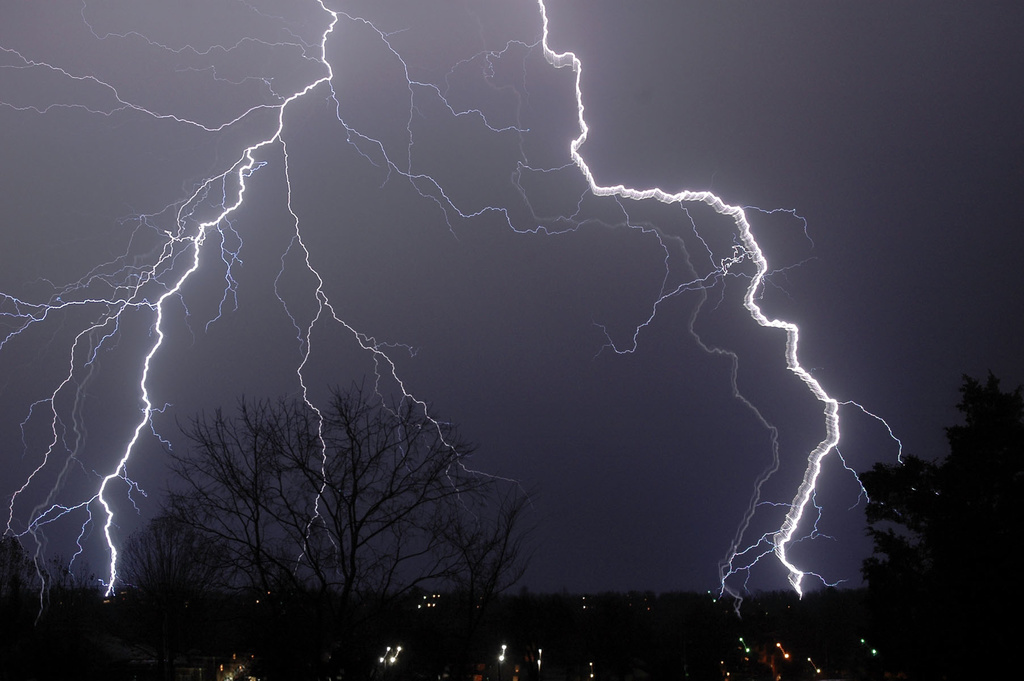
108 295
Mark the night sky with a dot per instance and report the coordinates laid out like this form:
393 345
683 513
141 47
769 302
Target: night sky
875 146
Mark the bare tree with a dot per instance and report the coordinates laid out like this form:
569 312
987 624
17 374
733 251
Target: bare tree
491 557
338 512
168 569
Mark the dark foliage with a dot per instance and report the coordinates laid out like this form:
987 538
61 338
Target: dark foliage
52 633
618 636
946 537
614 636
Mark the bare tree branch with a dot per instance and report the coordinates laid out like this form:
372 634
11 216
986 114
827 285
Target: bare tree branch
353 505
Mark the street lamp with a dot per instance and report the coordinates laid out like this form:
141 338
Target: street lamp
501 659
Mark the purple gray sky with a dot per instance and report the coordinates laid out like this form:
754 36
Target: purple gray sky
875 147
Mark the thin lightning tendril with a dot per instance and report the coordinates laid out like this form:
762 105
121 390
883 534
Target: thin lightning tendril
150 288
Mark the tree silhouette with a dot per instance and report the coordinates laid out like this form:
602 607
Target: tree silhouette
489 558
168 569
947 536
329 517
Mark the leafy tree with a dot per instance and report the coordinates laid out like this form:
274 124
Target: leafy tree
947 537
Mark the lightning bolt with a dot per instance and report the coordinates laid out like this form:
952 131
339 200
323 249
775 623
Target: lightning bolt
151 277
748 248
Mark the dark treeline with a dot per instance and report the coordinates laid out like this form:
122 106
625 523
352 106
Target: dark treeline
81 634
678 635
356 546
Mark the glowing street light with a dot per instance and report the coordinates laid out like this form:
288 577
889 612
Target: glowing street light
389 658
784 653
874 651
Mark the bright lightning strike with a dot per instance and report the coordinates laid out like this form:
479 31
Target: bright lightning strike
139 293
781 539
